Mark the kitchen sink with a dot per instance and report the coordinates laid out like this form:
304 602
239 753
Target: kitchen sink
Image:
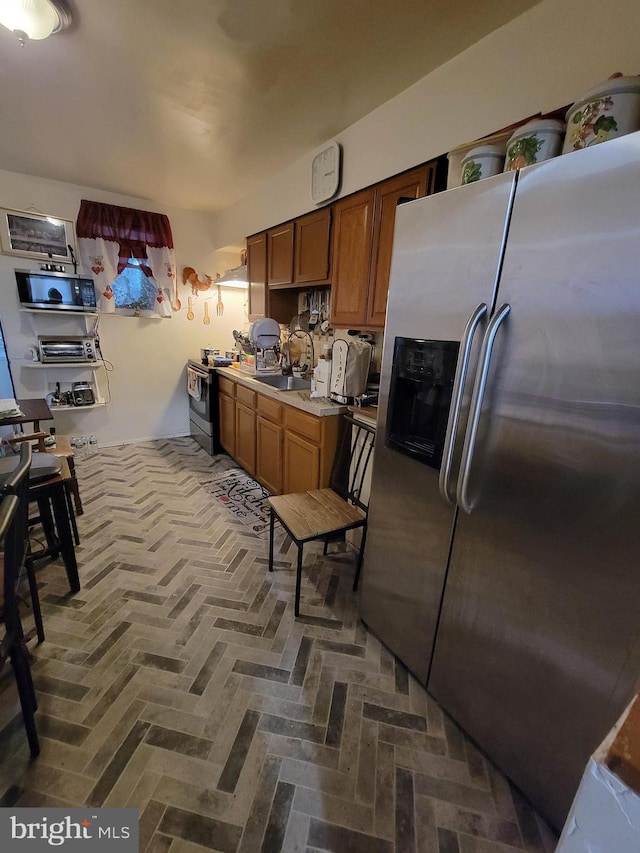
286 383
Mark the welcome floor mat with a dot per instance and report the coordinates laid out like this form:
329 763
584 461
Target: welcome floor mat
243 497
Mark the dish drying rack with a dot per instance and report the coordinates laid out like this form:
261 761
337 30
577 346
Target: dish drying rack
254 359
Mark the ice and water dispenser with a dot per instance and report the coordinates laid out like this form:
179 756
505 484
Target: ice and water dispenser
420 396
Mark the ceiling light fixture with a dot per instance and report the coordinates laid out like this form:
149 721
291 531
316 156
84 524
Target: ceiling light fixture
34 19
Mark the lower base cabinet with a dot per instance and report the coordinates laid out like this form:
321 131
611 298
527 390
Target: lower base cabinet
284 448
269 455
228 423
301 464
246 438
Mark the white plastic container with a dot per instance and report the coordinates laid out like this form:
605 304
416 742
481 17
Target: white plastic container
609 110
481 162
321 378
534 142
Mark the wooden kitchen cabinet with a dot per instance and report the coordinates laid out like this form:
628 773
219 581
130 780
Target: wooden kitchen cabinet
301 464
351 258
362 246
312 249
283 447
246 438
414 184
309 445
227 409
280 256
269 465
257 275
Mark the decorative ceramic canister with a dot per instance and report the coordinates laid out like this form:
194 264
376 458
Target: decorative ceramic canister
609 110
534 142
481 162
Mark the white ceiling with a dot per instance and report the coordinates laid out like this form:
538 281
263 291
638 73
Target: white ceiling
192 102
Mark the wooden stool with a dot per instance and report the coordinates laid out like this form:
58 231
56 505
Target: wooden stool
63 449
56 517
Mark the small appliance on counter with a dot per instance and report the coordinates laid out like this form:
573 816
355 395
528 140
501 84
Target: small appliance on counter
205 352
321 379
56 349
211 357
350 362
55 291
82 394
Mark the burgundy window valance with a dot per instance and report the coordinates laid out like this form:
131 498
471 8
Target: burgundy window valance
131 257
132 229
112 222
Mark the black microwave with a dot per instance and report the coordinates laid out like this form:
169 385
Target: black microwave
57 291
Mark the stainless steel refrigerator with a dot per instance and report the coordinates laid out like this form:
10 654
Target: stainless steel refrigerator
502 562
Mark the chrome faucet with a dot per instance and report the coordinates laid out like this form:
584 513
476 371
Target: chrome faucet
305 334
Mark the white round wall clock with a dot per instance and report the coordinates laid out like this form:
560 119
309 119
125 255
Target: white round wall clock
325 173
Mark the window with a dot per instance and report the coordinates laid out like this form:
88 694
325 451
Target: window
130 254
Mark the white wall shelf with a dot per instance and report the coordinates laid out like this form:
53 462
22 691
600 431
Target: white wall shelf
95 405
77 365
59 313
44 379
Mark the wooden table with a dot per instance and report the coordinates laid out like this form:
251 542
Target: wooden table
33 411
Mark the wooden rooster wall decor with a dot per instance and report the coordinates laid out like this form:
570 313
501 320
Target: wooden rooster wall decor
190 277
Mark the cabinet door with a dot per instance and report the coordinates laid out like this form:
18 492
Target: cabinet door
301 464
257 274
353 225
411 185
311 247
269 455
280 255
246 438
227 424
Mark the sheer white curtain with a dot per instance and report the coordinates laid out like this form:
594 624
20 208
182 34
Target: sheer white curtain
131 257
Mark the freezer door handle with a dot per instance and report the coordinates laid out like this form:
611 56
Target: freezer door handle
476 405
456 400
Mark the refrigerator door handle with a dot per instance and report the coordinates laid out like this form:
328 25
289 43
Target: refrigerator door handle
476 405
456 400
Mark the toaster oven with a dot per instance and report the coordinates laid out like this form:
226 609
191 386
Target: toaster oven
60 350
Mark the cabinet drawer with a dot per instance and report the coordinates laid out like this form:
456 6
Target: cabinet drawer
226 386
303 424
245 396
269 409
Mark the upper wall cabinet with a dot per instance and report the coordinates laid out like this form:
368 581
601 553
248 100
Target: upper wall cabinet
312 262
362 245
257 274
298 251
280 256
352 238
415 184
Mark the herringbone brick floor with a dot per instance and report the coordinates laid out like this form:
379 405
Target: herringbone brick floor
178 681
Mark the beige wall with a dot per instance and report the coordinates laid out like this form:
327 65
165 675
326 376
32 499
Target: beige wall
148 384
544 59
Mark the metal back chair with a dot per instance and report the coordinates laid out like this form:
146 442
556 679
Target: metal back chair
324 514
14 541
17 483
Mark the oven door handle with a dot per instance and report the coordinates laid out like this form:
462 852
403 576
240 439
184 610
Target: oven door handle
202 374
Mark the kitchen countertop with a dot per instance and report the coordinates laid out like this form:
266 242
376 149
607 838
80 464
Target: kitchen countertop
320 407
